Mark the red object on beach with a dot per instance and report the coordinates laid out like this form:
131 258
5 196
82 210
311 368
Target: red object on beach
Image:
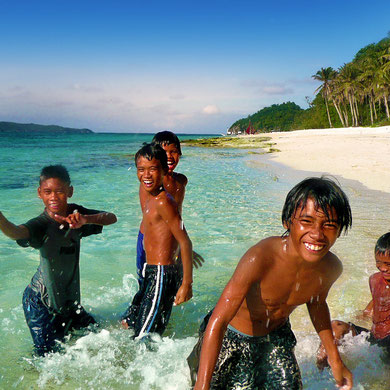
250 129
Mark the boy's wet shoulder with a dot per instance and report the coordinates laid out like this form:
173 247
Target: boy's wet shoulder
180 178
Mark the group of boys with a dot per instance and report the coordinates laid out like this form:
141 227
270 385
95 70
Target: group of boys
246 341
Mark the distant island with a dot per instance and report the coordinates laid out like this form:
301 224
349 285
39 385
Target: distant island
12 127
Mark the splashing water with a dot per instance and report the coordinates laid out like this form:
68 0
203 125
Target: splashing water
224 215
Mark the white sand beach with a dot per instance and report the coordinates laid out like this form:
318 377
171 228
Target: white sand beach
361 153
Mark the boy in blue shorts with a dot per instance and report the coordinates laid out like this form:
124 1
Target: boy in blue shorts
164 232
174 183
51 301
247 341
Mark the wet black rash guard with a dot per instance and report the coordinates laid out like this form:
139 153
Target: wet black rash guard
57 278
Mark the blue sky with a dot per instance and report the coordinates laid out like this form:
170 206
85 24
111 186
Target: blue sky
186 66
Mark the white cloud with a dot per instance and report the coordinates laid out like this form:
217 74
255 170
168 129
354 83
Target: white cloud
210 109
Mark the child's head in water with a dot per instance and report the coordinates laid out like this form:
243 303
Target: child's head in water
327 196
171 144
382 256
151 163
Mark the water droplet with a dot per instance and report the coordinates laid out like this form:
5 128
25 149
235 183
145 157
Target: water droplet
297 286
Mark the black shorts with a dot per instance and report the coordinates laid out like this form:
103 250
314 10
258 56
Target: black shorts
151 307
383 343
252 362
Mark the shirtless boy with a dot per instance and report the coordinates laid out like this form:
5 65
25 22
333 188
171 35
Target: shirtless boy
174 183
51 302
164 232
248 342
378 308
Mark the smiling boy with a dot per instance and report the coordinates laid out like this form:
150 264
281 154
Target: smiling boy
174 183
248 342
163 233
378 309
51 302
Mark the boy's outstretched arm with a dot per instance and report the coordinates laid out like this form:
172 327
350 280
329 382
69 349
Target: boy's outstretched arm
76 220
169 213
246 273
13 231
320 317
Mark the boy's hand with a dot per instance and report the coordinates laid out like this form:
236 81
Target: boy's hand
197 260
75 220
342 376
184 294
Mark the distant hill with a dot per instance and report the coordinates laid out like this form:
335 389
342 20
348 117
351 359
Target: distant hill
278 117
12 127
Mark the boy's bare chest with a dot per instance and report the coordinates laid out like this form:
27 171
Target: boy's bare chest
289 291
150 213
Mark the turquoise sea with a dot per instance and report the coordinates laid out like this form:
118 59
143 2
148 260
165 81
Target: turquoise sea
234 199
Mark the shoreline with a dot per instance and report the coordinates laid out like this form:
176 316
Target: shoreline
359 153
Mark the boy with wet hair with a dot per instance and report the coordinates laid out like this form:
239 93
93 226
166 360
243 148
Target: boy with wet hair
248 342
51 301
174 183
378 309
164 232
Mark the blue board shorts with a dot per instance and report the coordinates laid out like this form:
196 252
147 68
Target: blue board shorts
47 327
252 362
141 257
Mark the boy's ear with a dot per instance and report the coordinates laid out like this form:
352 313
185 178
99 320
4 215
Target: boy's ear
286 225
70 192
39 192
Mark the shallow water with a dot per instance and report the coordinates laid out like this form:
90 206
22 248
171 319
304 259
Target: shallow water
231 203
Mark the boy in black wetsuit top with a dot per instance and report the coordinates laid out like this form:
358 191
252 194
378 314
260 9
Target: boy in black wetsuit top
164 232
51 302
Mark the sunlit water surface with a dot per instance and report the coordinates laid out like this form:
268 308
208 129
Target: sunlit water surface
233 200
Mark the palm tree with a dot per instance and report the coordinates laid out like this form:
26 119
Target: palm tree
325 76
348 79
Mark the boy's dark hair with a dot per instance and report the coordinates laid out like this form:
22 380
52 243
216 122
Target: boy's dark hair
327 195
150 151
167 138
382 246
54 172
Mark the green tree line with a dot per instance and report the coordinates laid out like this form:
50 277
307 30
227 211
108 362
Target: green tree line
356 94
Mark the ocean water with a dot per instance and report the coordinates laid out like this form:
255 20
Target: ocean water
234 199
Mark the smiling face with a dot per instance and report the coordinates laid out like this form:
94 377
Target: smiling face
54 194
173 156
383 265
150 174
312 233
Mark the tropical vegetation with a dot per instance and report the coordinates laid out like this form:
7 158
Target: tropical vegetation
356 94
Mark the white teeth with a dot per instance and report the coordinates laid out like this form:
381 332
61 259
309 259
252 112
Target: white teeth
313 247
